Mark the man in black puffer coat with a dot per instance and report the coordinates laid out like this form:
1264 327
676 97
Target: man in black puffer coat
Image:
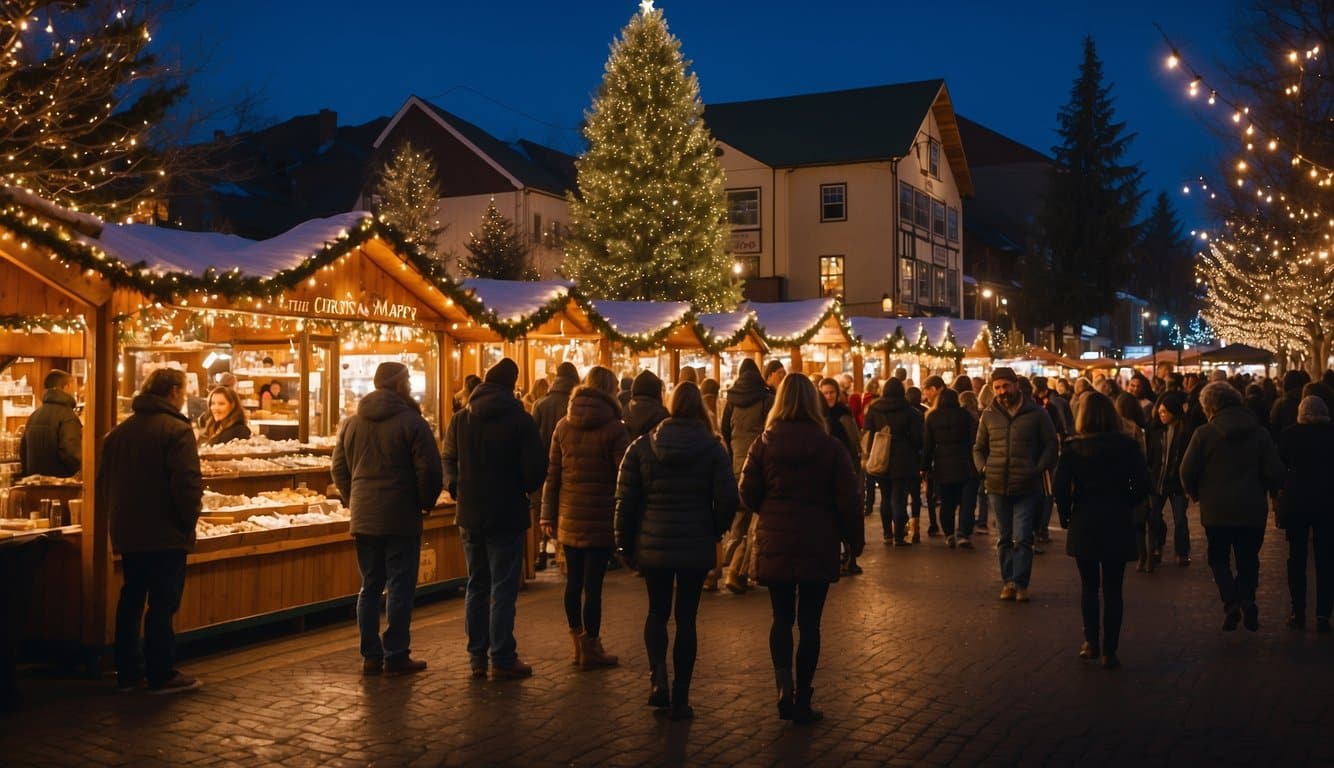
494 458
905 424
52 442
387 468
551 408
148 483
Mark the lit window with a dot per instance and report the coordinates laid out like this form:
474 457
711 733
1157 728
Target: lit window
905 280
831 277
923 271
833 202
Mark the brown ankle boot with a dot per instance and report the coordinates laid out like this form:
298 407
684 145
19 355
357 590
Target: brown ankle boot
577 635
591 654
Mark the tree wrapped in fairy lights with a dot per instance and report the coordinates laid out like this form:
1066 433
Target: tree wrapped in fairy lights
649 218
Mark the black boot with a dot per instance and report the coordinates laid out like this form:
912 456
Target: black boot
783 678
658 697
801 707
681 709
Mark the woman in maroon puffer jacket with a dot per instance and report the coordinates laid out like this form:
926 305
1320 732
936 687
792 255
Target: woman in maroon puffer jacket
801 484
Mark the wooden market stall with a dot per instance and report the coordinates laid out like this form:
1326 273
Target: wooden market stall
925 345
812 334
728 337
313 311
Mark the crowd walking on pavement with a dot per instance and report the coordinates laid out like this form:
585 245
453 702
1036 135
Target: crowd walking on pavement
763 484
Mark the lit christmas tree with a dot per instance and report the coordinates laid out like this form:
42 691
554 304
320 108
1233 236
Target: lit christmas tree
497 252
649 218
409 198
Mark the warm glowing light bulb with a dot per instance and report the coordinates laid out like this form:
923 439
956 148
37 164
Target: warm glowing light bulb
1172 61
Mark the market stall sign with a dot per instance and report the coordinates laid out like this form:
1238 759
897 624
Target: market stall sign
378 308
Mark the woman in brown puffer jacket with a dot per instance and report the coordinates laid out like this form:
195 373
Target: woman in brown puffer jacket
801 484
579 505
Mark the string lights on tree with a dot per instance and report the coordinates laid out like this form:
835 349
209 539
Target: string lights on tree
409 198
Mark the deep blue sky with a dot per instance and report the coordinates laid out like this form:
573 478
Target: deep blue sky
525 68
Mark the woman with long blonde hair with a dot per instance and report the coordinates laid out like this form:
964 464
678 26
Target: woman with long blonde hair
790 472
226 420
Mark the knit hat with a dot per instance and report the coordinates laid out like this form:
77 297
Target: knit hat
1174 402
1004 373
504 374
388 375
647 385
1312 410
566 370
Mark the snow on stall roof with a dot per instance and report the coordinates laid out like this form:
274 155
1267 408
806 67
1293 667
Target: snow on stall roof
966 332
724 325
641 317
83 222
174 250
514 300
782 319
874 330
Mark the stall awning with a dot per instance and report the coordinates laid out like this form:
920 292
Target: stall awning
1238 354
730 330
793 323
644 324
937 336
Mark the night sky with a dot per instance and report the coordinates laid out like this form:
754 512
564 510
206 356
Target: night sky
528 69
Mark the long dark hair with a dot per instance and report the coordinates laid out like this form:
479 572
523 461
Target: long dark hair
687 403
235 416
1097 415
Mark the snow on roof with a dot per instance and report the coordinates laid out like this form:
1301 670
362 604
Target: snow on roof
966 332
638 318
514 300
173 250
785 319
724 325
873 331
83 222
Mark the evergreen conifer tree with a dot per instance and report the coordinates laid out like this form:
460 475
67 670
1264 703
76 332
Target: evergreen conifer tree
1086 229
496 252
1164 267
649 218
409 198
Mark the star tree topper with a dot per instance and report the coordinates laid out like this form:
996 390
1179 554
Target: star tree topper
646 7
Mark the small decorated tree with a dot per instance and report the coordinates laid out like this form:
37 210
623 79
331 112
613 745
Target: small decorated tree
496 252
409 198
649 218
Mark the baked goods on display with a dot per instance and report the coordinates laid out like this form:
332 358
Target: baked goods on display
251 446
236 466
48 480
271 521
301 461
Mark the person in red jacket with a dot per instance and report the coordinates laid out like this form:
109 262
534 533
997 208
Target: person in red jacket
789 474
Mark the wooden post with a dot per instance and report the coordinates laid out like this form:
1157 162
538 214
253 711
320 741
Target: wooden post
99 588
886 371
858 372
446 405
718 368
604 352
674 360
797 365
525 364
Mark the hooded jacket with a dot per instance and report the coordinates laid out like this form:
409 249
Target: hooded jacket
52 442
905 426
1308 485
1012 452
744 414
493 457
552 407
1229 466
580 492
148 479
947 450
645 410
386 466
675 497
1099 481
801 484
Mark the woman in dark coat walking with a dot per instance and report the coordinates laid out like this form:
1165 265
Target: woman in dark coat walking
801 484
578 504
904 422
947 453
1166 439
675 497
1100 479
1306 508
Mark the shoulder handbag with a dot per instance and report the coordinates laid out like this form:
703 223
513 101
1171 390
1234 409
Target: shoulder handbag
875 449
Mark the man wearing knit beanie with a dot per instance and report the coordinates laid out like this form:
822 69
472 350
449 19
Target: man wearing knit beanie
493 459
387 469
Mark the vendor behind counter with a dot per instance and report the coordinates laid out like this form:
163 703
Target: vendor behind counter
52 442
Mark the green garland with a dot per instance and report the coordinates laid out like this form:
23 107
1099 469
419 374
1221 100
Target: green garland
795 341
715 345
30 323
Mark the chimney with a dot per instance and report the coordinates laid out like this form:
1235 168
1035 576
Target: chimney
328 126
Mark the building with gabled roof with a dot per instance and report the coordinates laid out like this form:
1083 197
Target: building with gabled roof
854 194
526 180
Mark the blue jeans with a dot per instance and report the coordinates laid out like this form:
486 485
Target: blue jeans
495 567
1015 517
893 507
1180 523
387 561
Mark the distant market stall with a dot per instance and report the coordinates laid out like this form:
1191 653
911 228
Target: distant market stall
810 336
922 345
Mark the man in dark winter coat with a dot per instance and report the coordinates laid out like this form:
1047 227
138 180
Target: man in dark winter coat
493 458
387 468
893 411
645 410
744 414
52 442
551 408
1016 444
1284 412
148 483
1230 465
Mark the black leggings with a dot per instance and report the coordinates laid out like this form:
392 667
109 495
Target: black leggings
801 603
1110 576
585 568
689 585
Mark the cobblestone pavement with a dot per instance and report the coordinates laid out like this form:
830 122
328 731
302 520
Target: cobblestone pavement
921 666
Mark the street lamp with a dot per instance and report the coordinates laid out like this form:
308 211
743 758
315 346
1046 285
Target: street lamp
886 303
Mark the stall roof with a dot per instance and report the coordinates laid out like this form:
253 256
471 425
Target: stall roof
730 330
874 332
785 323
517 301
1241 354
640 318
164 250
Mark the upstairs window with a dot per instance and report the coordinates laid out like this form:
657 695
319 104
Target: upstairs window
952 224
922 209
933 158
743 207
537 228
831 277
938 218
833 202
905 202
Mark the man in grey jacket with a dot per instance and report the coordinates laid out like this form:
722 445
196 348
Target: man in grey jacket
1229 466
1016 444
387 468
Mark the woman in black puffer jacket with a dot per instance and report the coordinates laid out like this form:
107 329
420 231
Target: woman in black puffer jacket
675 497
947 453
